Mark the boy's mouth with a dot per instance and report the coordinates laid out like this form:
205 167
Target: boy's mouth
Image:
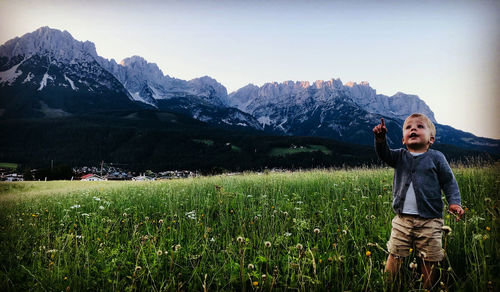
413 135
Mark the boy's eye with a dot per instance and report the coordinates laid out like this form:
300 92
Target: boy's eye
420 126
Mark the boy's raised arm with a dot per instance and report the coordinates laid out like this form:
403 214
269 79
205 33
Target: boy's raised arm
384 153
380 130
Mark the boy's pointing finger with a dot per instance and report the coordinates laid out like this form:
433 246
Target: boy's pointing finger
382 122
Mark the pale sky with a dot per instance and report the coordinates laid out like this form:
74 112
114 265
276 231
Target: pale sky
446 52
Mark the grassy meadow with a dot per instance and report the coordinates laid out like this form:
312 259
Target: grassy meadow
301 231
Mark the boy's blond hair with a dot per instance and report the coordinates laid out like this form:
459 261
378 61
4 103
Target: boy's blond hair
426 120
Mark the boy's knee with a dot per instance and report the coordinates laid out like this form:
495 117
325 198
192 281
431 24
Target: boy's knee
393 263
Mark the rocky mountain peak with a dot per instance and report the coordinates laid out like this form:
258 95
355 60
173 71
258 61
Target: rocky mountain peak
402 105
242 97
45 40
210 89
332 84
138 68
362 92
139 63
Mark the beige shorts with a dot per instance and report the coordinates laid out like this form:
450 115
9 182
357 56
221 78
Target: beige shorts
414 232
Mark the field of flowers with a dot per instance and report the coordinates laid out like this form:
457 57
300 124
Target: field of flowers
314 230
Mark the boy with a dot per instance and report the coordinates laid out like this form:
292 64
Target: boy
420 174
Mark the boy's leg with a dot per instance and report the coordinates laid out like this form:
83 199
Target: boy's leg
428 272
392 266
398 246
428 243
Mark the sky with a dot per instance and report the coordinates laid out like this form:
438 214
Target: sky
447 52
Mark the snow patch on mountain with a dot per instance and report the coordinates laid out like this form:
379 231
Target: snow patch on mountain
43 83
265 121
29 77
9 76
137 97
71 83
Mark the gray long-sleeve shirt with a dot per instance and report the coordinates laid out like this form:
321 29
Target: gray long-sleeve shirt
429 172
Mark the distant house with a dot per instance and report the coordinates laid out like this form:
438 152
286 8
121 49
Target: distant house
92 177
12 177
142 178
119 176
176 174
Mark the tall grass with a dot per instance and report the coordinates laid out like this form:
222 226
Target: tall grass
304 231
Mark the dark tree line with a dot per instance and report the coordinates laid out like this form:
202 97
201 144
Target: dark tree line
146 142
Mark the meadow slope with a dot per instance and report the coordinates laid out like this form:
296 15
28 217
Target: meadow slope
312 230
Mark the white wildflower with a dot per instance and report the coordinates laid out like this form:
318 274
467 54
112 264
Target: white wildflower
191 215
446 230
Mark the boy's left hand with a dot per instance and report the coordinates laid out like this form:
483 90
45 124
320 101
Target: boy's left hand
456 210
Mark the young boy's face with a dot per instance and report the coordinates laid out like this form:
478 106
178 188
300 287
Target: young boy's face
417 135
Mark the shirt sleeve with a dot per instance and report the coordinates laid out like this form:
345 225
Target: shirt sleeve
385 154
447 181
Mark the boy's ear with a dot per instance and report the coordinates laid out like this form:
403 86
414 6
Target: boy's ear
431 140
403 141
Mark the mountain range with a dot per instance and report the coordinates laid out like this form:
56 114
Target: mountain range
48 74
